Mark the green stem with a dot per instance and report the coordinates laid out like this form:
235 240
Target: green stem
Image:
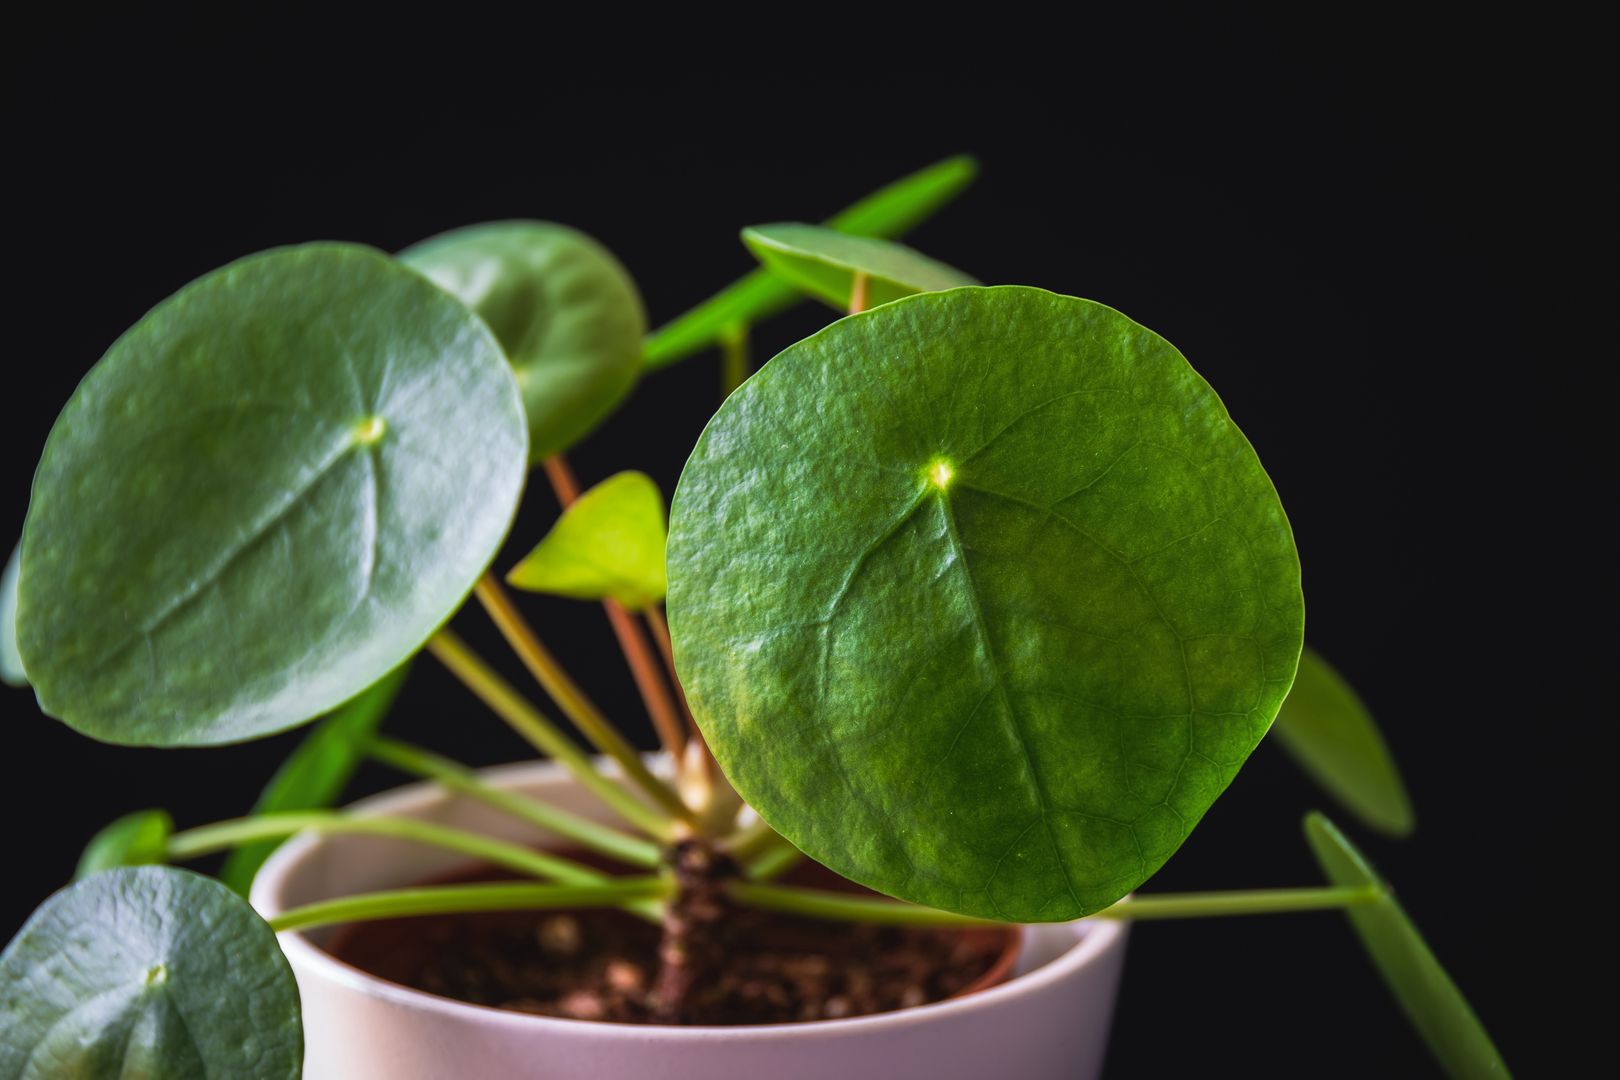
1242 902
844 907
194 843
776 861
821 904
582 831
541 733
751 840
567 695
461 899
733 358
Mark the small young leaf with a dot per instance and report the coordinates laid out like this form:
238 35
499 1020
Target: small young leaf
608 544
563 308
981 599
824 264
11 669
1431 1000
314 775
147 972
264 498
1324 726
887 212
137 839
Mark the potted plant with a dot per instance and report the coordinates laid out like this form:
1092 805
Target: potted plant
977 597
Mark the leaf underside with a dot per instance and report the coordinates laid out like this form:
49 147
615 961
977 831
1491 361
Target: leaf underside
147 972
136 839
992 624
314 775
889 211
564 310
1325 727
265 496
824 263
1422 987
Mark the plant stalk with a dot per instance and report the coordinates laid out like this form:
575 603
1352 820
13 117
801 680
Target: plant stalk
660 706
541 733
733 358
463 899
207 839
823 904
456 777
549 673
857 293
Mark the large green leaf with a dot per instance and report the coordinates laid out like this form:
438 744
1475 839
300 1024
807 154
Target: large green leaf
314 775
149 972
265 496
1327 729
11 669
981 599
136 839
608 544
887 212
1431 1000
563 308
825 264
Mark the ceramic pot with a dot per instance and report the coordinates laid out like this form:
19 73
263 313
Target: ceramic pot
1049 1021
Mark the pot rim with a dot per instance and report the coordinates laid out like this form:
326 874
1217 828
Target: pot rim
1096 937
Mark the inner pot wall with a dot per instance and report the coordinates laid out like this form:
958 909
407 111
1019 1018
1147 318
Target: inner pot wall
1049 1022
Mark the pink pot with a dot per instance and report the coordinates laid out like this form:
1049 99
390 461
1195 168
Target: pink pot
1048 1022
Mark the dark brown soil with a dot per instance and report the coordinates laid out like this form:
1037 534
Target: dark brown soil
603 965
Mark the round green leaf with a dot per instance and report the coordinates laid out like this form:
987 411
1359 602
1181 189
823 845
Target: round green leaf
824 263
136 839
11 669
1422 987
1324 726
265 496
608 544
981 599
314 775
563 308
147 972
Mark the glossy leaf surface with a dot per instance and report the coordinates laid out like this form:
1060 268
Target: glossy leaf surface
11 669
137 839
1325 727
265 496
981 599
608 544
887 212
563 308
824 264
314 775
147 972
1431 1000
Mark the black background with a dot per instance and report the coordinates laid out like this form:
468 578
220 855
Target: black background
1387 245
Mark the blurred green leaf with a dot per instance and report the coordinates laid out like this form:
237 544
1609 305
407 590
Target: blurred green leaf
137 839
887 212
314 775
608 544
11 669
1325 728
564 309
1431 1000
824 263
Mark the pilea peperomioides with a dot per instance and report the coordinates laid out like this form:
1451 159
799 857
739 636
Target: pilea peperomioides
978 597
